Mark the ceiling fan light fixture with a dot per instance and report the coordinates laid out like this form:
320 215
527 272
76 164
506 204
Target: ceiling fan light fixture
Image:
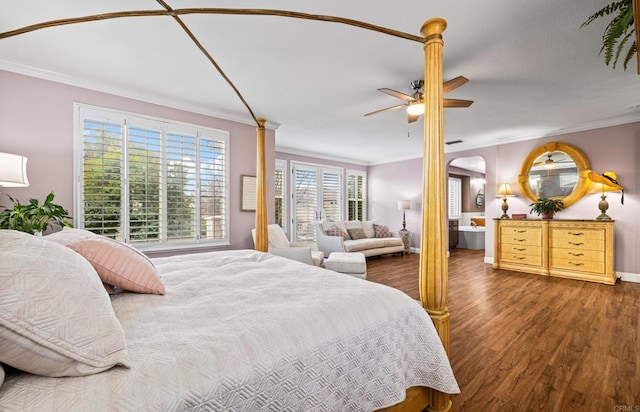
549 163
415 108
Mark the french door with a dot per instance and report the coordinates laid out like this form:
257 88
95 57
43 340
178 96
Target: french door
317 196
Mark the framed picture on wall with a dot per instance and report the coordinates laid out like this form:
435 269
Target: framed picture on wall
248 193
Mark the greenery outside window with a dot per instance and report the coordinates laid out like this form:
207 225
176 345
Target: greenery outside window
154 183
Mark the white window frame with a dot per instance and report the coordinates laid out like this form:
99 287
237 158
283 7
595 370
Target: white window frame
80 110
454 185
363 174
281 165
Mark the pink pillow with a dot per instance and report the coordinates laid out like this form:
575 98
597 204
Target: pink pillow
336 231
382 231
119 264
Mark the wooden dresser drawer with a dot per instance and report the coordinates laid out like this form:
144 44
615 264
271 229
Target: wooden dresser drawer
521 249
574 253
589 239
513 257
578 265
521 236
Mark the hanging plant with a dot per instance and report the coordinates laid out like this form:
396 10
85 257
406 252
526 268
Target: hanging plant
617 33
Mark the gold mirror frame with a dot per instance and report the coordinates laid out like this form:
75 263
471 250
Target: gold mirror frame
580 159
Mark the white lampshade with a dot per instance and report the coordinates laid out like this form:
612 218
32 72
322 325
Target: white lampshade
504 190
404 204
13 170
415 108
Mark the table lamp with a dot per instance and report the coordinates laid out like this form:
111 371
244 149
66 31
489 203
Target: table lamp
404 205
504 191
13 170
606 182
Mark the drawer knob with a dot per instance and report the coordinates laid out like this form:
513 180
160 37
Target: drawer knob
576 254
576 264
520 257
520 249
520 240
576 233
521 231
575 244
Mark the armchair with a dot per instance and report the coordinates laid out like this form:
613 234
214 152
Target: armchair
305 252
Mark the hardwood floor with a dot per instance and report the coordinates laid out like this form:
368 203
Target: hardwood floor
524 342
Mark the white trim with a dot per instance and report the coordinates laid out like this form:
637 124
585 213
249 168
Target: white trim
628 277
488 260
320 156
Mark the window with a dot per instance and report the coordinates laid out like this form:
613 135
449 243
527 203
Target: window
150 182
356 195
280 185
455 198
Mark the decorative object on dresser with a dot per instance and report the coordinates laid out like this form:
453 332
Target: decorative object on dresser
566 180
13 170
600 184
504 191
547 207
574 249
404 205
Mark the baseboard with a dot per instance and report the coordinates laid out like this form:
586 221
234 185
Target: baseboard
488 260
629 277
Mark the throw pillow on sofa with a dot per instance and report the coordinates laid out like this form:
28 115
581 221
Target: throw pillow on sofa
356 234
382 231
336 231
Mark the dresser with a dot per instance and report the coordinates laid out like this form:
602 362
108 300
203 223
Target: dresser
575 249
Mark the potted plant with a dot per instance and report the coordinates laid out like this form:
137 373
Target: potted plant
547 207
33 218
620 32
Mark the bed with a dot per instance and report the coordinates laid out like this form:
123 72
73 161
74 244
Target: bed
241 331
161 382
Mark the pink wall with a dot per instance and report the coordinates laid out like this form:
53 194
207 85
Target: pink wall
36 120
613 148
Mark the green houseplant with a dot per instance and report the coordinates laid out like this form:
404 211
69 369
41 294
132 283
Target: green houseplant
618 32
546 207
33 217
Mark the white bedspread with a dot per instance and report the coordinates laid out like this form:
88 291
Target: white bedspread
246 331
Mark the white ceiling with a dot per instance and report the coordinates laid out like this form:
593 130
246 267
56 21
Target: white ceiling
532 70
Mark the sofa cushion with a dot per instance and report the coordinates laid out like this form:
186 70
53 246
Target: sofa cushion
381 230
356 245
392 241
276 235
367 227
353 224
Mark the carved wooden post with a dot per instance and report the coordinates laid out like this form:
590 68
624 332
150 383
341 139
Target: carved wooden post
262 240
434 269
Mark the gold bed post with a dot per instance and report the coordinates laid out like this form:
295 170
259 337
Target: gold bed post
262 240
433 276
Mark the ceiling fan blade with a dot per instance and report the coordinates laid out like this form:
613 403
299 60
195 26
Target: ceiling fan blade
396 94
387 109
456 103
453 84
412 117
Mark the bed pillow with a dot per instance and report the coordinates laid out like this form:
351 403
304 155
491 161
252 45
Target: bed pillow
336 231
382 231
55 317
121 265
367 227
117 263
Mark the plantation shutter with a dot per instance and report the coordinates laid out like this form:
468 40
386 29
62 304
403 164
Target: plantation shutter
305 198
455 198
332 195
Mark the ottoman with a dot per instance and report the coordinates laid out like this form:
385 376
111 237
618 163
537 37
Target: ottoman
353 264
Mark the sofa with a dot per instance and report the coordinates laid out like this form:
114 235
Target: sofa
366 237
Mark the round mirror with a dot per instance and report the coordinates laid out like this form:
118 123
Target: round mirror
555 170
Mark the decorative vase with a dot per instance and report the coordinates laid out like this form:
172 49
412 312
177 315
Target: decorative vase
547 215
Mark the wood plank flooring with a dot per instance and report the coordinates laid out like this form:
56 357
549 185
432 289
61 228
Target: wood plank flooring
524 342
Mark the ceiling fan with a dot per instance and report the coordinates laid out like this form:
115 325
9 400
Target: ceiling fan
553 160
414 102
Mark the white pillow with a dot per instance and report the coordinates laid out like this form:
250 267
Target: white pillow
56 318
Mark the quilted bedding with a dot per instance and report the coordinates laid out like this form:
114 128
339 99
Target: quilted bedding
247 331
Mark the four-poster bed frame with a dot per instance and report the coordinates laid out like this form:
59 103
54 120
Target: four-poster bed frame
433 272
